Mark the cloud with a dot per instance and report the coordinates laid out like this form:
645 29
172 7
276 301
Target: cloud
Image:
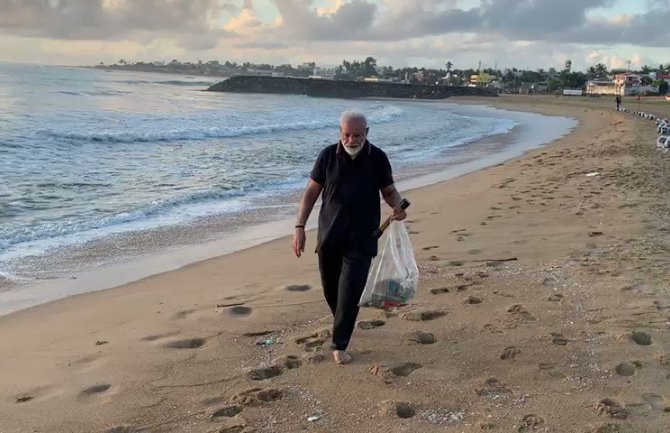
394 31
245 22
347 21
537 20
109 19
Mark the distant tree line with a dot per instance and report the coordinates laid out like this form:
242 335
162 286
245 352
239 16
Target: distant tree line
368 68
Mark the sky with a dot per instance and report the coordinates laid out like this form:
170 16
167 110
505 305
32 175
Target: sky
527 34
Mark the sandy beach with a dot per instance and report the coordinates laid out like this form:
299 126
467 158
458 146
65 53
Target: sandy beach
543 306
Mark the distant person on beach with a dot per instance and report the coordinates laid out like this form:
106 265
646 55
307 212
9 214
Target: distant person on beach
351 174
618 102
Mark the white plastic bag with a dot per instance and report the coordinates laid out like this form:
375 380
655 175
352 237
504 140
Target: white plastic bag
393 277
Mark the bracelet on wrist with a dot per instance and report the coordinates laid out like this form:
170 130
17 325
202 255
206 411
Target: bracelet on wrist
300 226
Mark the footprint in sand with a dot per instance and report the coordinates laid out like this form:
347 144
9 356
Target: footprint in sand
628 368
509 353
557 297
225 412
423 315
604 428
530 423
518 314
493 388
298 287
182 314
430 247
491 328
472 300
125 428
400 409
641 338
612 408
657 402
240 311
288 362
370 324
95 389
405 369
259 333
518 309
419 337
256 396
551 370
314 340
23 399
262 373
315 357
558 339
189 343
439 291
160 336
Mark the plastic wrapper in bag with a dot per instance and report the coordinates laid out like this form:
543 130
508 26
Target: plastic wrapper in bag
394 276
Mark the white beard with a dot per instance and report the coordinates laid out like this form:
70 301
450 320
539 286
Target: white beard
353 152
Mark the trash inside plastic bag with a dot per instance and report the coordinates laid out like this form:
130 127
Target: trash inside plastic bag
394 276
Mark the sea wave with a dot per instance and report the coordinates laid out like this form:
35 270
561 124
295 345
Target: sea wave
70 226
94 92
8 279
168 82
380 115
159 213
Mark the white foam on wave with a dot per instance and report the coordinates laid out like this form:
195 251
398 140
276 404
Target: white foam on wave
380 115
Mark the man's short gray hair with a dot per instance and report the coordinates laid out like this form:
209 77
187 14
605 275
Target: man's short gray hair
356 116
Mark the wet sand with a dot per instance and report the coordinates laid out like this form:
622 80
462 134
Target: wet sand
543 306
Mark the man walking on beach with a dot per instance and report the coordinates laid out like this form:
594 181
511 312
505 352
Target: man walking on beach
350 173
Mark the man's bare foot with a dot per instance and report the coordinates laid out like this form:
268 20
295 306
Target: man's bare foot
341 357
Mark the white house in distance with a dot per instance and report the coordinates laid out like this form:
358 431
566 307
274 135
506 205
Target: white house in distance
625 84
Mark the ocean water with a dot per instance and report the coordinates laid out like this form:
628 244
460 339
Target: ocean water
93 163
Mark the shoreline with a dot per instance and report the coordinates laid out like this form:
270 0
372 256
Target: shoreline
576 321
244 235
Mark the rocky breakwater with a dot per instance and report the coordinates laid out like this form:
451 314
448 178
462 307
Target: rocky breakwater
343 89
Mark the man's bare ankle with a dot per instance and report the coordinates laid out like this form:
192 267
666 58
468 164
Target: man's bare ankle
341 357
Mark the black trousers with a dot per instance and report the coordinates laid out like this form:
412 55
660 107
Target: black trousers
343 277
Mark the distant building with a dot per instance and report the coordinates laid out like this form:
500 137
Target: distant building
665 77
628 84
573 92
600 87
307 66
482 79
325 73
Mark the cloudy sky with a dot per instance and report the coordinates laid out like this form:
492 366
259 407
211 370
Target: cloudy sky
506 33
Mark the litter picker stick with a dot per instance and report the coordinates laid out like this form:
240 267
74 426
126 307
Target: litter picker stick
404 204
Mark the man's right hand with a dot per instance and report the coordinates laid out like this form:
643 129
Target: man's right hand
299 241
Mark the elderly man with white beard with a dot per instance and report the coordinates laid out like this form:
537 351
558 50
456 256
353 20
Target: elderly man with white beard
350 174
